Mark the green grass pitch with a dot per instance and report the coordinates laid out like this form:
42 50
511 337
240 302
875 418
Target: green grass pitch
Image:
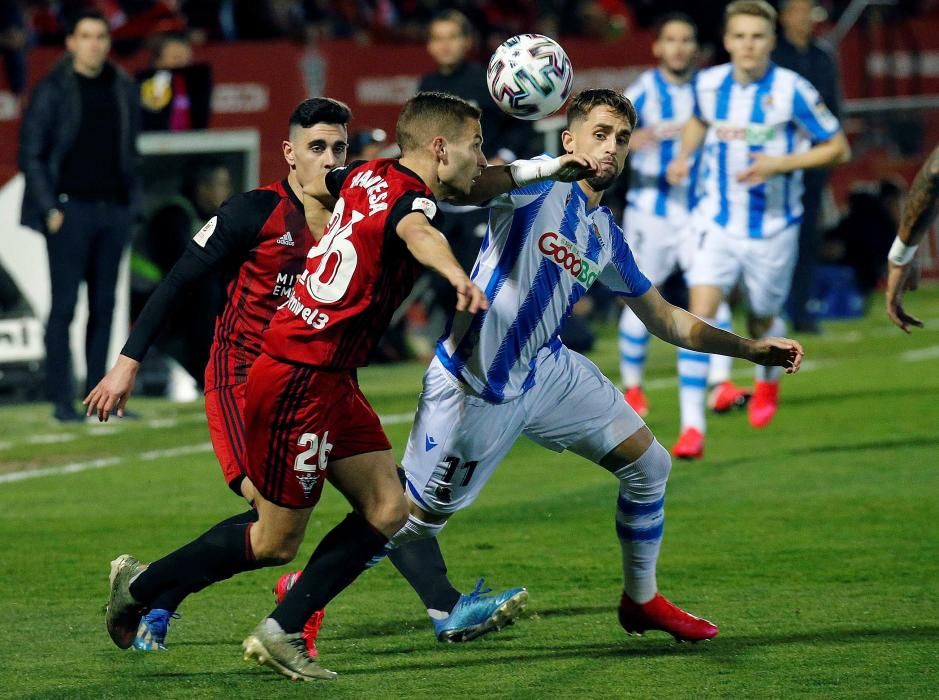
813 544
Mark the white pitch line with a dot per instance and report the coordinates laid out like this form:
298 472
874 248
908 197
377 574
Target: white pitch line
396 418
391 419
928 353
93 427
50 439
76 467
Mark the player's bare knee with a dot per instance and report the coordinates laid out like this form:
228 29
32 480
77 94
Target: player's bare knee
275 553
275 545
387 515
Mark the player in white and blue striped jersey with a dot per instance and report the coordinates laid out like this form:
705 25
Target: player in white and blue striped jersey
506 372
761 125
656 215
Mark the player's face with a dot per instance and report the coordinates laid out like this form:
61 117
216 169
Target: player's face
603 134
175 54
89 44
314 151
215 189
749 40
676 47
446 43
463 161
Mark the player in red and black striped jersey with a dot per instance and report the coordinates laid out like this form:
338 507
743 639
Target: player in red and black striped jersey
261 238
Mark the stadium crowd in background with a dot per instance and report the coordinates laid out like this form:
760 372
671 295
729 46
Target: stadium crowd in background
238 20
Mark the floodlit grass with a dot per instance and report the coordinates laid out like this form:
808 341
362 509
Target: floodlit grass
812 544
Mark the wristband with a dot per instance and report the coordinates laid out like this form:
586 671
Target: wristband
901 253
525 172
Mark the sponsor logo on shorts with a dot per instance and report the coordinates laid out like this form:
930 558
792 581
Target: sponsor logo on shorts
429 443
566 254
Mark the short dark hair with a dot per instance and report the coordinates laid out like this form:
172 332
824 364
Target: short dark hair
429 114
670 17
455 16
75 18
586 100
753 8
320 110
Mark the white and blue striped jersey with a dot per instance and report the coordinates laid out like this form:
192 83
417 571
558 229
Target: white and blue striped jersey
779 114
664 108
542 251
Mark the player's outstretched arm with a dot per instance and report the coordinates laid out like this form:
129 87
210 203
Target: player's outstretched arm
919 211
678 327
116 386
499 179
113 390
692 136
430 248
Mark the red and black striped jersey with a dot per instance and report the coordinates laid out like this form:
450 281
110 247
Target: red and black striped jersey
357 274
260 239
268 224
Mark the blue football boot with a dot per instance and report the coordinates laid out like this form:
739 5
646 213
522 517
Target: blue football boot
152 630
475 614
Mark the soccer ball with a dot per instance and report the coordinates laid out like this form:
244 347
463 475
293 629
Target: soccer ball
530 76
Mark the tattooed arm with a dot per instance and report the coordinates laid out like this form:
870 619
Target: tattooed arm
922 202
920 209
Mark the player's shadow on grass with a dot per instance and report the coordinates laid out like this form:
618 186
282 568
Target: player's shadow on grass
391 628
869 392
851 444
652 646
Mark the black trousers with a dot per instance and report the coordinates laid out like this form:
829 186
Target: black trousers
803 276
88 249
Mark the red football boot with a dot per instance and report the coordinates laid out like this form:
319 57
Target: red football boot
764 404
660 614
312 626
636 398
727 396
690 444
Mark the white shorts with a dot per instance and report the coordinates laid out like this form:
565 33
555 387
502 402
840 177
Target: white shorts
459 439
763 264
658 244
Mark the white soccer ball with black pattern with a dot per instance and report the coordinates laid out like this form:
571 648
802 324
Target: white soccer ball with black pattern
530 76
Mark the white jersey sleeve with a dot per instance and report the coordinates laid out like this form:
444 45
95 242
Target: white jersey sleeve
622 275
811 114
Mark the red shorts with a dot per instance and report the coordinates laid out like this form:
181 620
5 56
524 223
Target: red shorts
298 417
225 409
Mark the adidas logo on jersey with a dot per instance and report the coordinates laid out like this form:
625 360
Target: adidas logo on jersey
286 239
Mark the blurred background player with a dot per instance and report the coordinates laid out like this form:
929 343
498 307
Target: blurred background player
761 126
656 216
920 210
798 50
78 151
